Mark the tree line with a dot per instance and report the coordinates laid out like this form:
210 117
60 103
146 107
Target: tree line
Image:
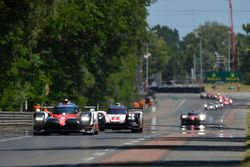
92 51
184 54
87 51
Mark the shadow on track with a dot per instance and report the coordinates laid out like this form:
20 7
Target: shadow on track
156 163
235 148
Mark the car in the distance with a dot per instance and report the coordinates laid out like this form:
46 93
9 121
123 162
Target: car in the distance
193 118
210 106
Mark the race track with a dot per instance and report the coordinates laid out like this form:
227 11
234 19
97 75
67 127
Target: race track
163 143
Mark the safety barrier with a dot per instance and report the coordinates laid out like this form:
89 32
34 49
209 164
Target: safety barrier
8 118
178 89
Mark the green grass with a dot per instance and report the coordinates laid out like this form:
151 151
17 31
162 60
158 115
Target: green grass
246 158
227 87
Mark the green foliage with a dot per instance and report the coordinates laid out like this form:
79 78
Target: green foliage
160 55
214 38
166 52
84 50
246 28
243 48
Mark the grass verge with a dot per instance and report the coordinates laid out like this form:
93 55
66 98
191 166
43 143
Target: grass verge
228 87
246 158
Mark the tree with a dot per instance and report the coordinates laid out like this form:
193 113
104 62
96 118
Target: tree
246 28
85 50
214 38
168 45
244 53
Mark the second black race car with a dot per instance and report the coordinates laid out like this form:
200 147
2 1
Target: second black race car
193 118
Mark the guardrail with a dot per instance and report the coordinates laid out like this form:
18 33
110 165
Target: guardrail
178 89
8 118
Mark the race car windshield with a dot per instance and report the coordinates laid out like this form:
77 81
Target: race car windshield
117 111
66 110
190 114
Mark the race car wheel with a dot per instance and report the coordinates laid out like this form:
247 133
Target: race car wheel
36 133
96 132
137 130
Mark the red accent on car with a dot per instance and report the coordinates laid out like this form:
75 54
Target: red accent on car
63 118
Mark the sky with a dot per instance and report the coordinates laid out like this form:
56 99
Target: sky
187 15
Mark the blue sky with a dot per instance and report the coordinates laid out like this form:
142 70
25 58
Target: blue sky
187 15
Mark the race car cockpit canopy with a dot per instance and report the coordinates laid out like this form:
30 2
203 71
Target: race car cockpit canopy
66 107
117 109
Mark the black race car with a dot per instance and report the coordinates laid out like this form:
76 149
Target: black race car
66 118
193 118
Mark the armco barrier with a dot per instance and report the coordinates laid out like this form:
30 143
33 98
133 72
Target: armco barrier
8 118
178 89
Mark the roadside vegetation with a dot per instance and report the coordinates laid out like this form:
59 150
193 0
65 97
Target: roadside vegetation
93 51
87 51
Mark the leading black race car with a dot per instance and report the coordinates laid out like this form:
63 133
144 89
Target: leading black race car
66 118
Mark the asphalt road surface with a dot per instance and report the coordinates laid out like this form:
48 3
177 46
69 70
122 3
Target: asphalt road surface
163 143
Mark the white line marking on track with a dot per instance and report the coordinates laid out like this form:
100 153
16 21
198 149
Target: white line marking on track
179 105
99 154
128 143
89 159
134 141
14 138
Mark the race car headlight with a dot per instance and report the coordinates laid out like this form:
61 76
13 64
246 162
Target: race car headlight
131 116
184 116
39 118
202 117
85 118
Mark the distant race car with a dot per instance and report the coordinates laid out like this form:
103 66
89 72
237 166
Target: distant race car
211 95
217 95
193 118
120 117
226 101
218 105
204 95
66 118
210 106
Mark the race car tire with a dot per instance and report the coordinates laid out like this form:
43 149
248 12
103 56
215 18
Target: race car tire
96 132
36 133
137 130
